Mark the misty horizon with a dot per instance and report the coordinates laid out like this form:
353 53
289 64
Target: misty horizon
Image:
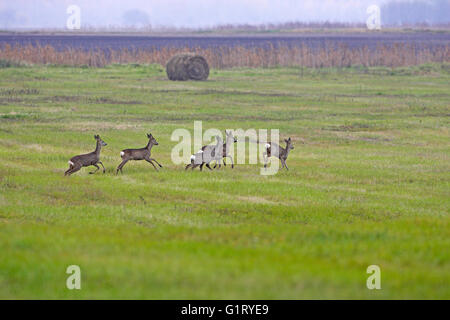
42 14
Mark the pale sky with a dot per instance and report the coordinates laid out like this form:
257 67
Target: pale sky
181 13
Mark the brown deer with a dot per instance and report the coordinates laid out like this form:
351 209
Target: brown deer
89 159
230 139
272 149
139 154
207 154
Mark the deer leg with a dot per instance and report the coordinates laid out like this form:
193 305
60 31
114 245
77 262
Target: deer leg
68 170
232 163
207 165
153 159
283 164
201 166
150 161
98 168
191 165
102 166
74 169
121 166
265 159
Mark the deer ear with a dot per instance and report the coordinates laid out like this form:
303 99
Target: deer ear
95 136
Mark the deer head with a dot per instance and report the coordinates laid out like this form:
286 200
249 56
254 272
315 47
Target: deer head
152 139
289 144
99 140
229 135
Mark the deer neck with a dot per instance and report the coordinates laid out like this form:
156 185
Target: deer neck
98 148
287 150
229 141
217 145
228 144
149 145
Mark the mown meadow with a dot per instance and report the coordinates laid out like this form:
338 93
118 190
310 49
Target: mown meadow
368 185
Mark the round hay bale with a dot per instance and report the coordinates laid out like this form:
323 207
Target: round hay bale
187 66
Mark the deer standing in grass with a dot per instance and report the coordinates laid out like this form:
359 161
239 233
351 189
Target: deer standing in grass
272 149
230 139
139 154
207 154
89 159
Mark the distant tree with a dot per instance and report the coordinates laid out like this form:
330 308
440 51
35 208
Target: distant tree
136 18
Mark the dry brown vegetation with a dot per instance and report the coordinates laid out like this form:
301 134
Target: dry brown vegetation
397 55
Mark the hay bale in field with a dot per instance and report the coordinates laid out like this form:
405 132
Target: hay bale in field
187 66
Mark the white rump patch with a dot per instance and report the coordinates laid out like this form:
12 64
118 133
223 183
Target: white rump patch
267 146
122 153
192 158
71 163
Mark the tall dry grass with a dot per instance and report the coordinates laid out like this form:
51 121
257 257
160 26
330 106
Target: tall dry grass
397 55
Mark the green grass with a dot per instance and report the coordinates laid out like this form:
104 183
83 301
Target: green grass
369 184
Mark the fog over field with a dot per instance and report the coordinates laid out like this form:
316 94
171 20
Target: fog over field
205 13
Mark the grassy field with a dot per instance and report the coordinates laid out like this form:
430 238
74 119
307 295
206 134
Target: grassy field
369 184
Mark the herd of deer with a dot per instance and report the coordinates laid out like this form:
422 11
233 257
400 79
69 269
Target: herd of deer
204 156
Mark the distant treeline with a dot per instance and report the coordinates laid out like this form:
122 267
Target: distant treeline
340 55
292 25
417 12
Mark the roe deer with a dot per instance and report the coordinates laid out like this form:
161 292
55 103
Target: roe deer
272 149
139 154
89 159
230 139
207 154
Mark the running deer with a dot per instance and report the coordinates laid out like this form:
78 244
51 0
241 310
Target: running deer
230 139
139 154
207 154
89 159
272 149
